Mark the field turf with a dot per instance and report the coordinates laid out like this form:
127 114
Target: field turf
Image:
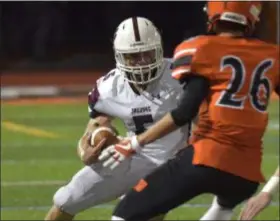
38 154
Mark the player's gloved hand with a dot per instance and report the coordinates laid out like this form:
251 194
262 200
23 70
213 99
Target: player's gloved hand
115 154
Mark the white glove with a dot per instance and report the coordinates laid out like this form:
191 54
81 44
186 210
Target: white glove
115 154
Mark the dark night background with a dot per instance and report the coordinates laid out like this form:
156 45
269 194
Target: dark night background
51 31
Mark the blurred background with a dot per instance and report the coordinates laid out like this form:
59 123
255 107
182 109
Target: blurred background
70 42
51 53
74 39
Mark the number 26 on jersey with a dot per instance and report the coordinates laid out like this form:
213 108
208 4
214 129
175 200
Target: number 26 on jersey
259 88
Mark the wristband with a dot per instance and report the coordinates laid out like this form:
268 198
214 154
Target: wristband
271 185
135 144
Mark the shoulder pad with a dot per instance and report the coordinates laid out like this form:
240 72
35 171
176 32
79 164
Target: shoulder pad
190 47
195 38
105 87
107 84
186 55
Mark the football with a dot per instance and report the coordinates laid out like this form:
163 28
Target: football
101 133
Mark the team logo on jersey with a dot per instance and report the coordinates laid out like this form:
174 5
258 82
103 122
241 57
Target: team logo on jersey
141 110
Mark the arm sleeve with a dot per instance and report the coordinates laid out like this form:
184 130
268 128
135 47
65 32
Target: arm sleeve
195 91
101 94
93 97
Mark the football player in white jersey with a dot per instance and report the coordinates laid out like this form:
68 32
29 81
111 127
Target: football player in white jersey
139 91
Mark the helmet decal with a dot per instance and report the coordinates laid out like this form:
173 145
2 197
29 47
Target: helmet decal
136 29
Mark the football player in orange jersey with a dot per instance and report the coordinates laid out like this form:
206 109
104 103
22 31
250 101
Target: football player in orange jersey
228 77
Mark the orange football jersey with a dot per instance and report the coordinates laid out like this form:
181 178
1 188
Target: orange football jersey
243 73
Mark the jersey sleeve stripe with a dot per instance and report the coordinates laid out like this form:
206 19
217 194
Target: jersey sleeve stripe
180 53
182 61
180 72
93 96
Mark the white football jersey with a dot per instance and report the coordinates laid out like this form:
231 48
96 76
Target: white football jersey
114 96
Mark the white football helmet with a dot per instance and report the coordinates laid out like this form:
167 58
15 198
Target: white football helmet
138 50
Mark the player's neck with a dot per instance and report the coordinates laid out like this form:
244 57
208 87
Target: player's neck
148 88
134 88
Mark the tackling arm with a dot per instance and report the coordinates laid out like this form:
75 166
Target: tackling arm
195 91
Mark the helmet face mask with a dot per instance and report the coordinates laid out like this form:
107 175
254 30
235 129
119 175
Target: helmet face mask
140 67
138 59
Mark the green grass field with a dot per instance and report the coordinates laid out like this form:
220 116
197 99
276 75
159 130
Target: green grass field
34 165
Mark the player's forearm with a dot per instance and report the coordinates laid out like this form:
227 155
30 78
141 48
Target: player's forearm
101 120
273 184
163 127
194 94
